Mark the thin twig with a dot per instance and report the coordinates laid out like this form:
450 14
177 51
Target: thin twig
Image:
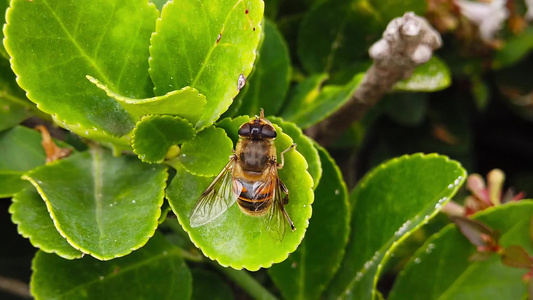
15 287
408 42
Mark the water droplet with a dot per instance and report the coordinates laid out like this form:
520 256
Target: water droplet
111 204
165 252
101 278
456 182
132 201
403 228
417 260
450 186
337 192
241 82
86 132
430 248
305 205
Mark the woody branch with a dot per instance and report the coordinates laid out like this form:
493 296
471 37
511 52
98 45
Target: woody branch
407 42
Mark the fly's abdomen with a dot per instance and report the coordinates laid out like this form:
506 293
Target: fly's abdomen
255 198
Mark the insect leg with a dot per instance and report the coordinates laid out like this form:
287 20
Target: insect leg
284 202
280 165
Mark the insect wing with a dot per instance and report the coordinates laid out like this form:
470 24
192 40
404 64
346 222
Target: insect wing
217 198
274 220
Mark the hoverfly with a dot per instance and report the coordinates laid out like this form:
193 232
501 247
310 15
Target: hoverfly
250 178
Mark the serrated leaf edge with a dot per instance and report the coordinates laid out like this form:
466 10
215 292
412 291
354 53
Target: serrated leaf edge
282 257
154 117
384 255
73 243
29 236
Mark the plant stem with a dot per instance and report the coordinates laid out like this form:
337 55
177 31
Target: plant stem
15 287
246 282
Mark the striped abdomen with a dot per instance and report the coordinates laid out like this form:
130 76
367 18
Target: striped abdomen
256 197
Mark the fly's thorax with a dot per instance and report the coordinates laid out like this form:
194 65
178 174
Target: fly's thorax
255 155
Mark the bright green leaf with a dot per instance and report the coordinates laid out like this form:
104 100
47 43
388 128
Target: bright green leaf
208 285
269 82
29 213
207 47
207 153
14 107
54 44
306 272
154 135
187 103
157 271
304 145
409 191
231 126
314 109
239 240
111 206
429 77
443 261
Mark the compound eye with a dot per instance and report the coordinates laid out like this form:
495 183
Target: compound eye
268 131
244 130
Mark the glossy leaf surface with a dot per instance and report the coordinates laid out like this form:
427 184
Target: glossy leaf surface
239 240
157 271
34 222
105 39
408 190
314 109
187 103
225 35
306 272
154 135
207 153
111 205
305 146
429 77
268 84
443 261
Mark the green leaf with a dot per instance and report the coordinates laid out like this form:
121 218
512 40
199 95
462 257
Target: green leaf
208 285
11 114
11 183
388 204
352 27
406 108
314 109
157 271
239 240
207 153
29 213
269 82
305 146
207 47
154 135
443 261
54 44
429 77
111 206
186 103
21 151
514 49
306 272
305 92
